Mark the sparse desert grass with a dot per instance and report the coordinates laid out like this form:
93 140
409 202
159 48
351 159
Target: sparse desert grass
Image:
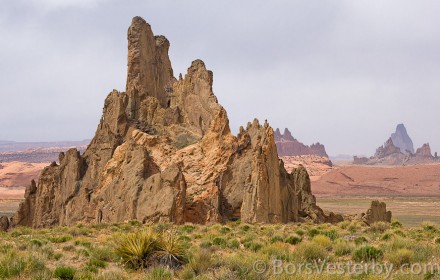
164 251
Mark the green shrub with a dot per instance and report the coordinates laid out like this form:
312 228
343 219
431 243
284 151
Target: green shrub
102 253
293 240
158 272
205 244
342 247
396 224
398 243
332 234
64 273
300 232
224 230
69 248
428 226
188 228
234 244
313 232
311 251
323 241
255 246
401 257
245 228
422 252
360 240
219 241
20 231
11 265
97 263
276 238
36 242
200 261
387 236
437 240
367 253
60 239
379 227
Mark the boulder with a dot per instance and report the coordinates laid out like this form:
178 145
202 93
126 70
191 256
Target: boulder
377 213
4 223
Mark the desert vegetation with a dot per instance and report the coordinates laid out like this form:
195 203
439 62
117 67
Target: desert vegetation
164 251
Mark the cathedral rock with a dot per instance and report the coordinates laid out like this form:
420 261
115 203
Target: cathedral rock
163 151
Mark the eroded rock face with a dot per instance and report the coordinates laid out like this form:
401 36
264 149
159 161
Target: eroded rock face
387 149
163 151
424 151
4 223
377 213
287 145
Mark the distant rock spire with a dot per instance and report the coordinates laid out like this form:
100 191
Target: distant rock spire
402 140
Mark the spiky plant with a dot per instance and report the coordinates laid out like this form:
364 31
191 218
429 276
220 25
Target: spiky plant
135 248
171 251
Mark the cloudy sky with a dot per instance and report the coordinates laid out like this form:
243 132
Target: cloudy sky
344 73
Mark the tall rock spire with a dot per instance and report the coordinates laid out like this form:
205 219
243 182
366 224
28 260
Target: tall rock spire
402 140
149 67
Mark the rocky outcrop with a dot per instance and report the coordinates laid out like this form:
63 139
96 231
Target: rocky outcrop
4 223
424 151
376 213
387 149
163 151
402 140
287 145
398 150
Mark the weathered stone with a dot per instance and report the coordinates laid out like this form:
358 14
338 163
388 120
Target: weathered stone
377 213
163 151
287 145
402 140
4 223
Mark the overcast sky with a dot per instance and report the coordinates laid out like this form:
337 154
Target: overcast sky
343 73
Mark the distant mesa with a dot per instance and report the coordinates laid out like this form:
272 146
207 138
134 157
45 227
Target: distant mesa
37 152
287 145
399 150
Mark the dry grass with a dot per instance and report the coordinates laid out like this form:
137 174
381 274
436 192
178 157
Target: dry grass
165 251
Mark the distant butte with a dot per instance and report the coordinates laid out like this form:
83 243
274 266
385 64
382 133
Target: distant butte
399 150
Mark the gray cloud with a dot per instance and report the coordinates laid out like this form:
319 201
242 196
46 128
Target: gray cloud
340 72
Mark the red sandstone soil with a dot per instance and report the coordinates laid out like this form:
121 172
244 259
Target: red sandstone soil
15 176
406 181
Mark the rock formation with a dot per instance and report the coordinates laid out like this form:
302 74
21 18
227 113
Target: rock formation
4 223
398 150
402 140
163 151
287 145
424 151
376 213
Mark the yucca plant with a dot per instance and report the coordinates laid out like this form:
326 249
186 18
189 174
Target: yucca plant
135 248
171 251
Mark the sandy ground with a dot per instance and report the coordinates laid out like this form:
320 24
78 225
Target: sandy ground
316 166
409 211
19 174
407 181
